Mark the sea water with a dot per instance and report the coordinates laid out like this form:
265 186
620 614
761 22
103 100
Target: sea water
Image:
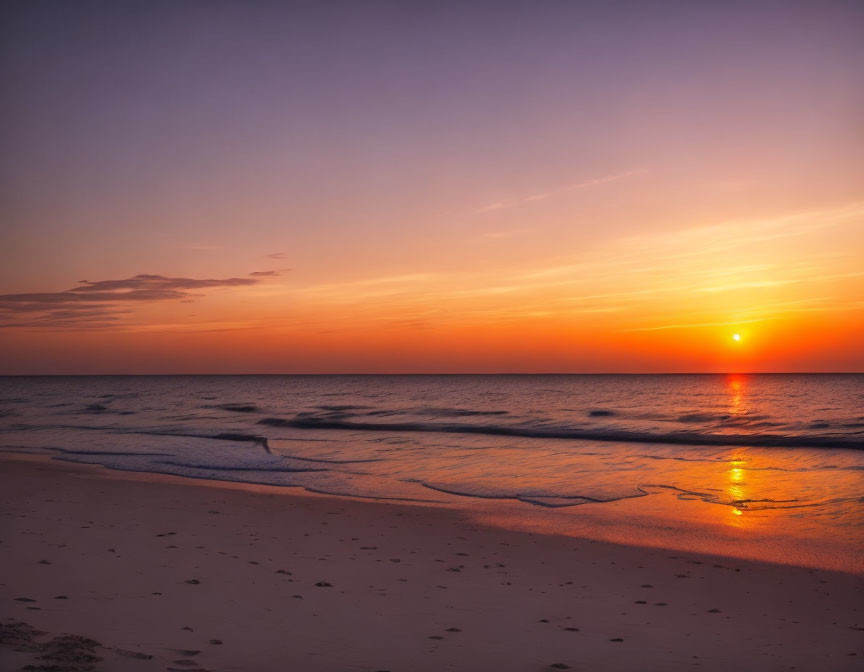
779 455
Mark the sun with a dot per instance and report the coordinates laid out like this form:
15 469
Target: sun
736 337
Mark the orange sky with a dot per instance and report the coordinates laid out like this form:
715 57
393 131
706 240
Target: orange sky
663 302
518 195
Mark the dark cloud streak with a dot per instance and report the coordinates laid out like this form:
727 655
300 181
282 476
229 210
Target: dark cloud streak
158 282
98 303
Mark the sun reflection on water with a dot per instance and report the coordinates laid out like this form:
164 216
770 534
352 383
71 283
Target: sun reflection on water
736 386
736 491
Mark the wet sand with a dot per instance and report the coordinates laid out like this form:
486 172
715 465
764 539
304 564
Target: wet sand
168 573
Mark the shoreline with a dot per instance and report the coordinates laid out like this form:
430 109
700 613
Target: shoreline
657 519
142 557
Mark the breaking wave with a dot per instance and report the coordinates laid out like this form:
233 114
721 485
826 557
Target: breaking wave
557 432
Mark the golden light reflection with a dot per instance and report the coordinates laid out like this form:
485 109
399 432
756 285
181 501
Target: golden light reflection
736 493
736 387
736 488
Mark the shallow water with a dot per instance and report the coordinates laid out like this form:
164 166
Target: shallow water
706 450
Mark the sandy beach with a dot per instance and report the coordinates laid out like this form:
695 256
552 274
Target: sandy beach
168 573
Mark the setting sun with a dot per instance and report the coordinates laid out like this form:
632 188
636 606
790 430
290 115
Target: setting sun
736 337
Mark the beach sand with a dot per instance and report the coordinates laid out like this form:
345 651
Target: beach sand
169 573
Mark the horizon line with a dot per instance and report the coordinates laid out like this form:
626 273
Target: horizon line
495 373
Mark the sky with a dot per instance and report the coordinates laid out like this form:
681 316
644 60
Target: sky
398 187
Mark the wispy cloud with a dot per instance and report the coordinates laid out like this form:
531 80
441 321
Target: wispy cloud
695 325
760 284
534 198
370 287
704 275
98 303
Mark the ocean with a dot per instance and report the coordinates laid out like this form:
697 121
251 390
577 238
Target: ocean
766 456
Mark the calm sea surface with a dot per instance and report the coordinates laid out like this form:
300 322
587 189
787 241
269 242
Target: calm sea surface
756 458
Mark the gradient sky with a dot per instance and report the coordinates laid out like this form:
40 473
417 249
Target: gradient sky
277 187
